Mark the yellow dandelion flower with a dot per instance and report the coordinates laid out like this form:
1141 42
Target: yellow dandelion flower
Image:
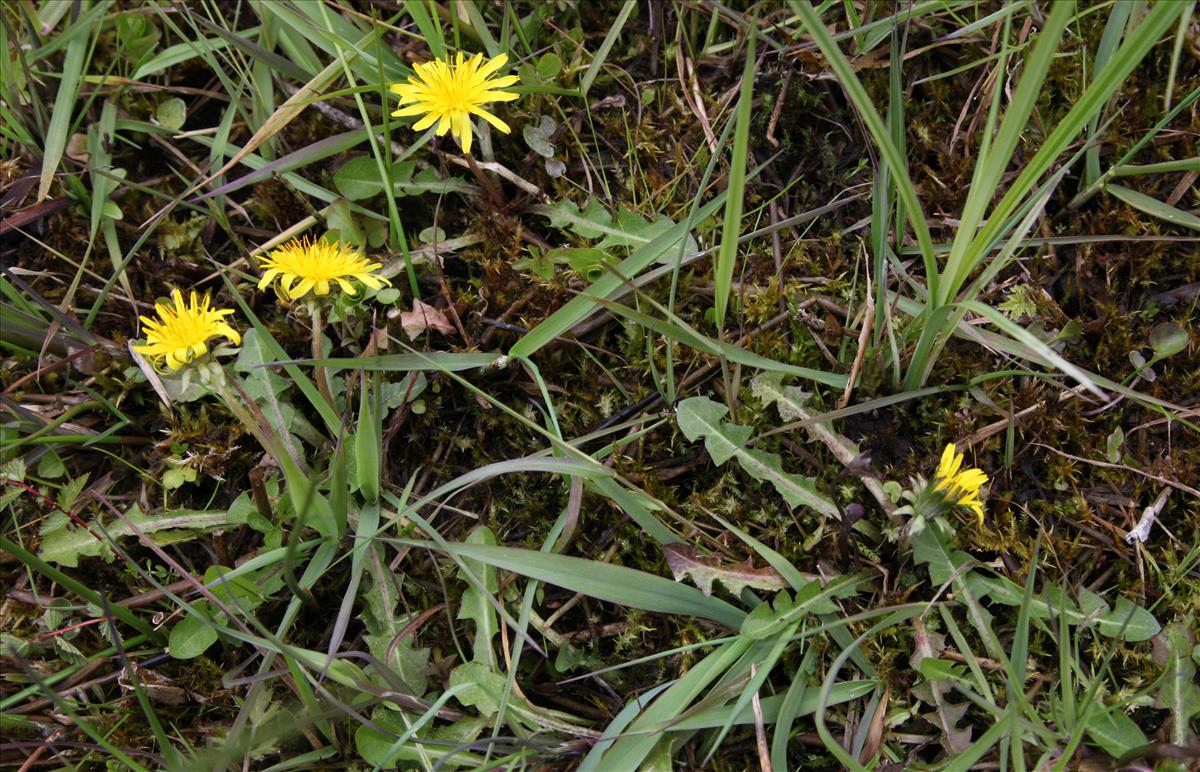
960 485
303 266
181 333
450 93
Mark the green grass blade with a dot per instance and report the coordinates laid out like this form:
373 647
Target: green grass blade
258 54
1176 52
580 307
1162 167
100 144
79 588
603 581
1155 208
332 420
1186 102
966 760
368 440
879 133
990 169
431 31
776 561
64 103
827 686
296 103
938 325
189 49
16 698
617 726
895 123
310 20
1093 99
297 159
589 76
1019 654
67 709
643 734
382 154
368 523
763 668
443 361
805 704
132 671
731 228
636 504
678 330
1023 336
1118 19
90 19
481 29
790 708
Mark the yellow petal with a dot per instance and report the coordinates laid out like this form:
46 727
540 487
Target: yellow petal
464 132
493 65
302 288
504 81
487 116
405 112
426 122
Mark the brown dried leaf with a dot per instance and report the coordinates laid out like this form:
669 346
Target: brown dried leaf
424 317
875 733
158 687
77 148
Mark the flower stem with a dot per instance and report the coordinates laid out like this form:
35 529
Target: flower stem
238 408
488 184
318 352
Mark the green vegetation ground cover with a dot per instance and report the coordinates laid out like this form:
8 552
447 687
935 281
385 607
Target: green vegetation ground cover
631 466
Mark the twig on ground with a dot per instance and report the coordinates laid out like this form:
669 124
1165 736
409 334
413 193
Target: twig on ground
1141 531
863 336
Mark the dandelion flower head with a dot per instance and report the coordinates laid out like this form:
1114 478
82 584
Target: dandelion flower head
449 93
960 486
304 266
181 332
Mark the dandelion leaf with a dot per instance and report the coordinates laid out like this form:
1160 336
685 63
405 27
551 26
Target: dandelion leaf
701 417
704 570
1115 733
385 624
190 637
258 381
592 222
65 544
1178 691
1129 621
627 230
936 691
483 687
789 400
932 549
376 742
767 620
477 605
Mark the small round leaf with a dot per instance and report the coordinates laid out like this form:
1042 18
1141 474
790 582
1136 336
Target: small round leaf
190 637
1168 339
172 113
